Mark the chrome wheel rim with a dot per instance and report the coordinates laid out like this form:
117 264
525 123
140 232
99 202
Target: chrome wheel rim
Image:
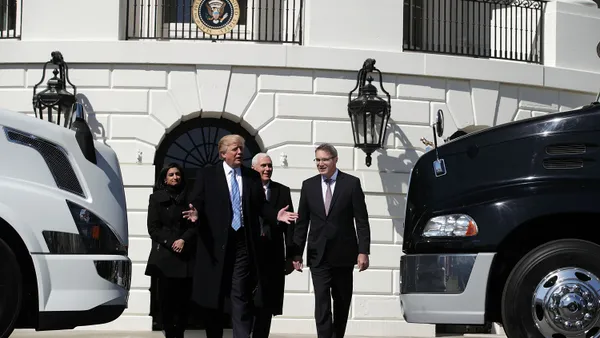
566 303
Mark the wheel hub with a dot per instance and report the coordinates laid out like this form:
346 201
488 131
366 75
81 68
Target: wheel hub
566 302
571 307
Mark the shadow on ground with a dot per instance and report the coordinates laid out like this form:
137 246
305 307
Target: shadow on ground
188 334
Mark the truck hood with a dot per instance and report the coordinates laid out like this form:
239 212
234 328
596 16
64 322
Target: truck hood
486 160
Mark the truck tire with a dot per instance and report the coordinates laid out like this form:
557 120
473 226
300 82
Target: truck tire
11 290
553 292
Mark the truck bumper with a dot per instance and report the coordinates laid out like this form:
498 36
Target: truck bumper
80 290
444 288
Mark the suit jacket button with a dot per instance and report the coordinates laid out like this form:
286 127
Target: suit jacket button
223 247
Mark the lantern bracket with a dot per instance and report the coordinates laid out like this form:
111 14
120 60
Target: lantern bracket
364 76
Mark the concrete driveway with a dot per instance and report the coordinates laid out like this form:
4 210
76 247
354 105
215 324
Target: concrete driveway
188 334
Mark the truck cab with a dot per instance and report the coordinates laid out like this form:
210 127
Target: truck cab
499 227
63 226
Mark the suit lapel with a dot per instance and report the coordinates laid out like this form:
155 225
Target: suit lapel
339 185
245 188
222 184
274 193
319 191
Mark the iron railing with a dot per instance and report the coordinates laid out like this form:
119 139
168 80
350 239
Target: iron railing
278 21
501 29
10 19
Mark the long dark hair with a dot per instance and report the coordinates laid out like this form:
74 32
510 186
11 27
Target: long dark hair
160 180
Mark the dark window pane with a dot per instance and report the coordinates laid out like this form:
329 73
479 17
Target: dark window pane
8 14
194 144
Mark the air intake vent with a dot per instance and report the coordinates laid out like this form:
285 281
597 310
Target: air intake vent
566 149
564 163
54 156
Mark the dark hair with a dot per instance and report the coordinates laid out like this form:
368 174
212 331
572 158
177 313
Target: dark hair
329 148
160 180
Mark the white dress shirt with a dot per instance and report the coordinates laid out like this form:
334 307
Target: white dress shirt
228 174
332 184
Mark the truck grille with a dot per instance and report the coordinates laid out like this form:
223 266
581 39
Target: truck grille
54 156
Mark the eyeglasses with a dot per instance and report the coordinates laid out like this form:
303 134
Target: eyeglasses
317 160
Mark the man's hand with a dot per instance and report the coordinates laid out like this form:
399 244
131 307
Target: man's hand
178 245
297 263
363 262
289 266
191 214
286 216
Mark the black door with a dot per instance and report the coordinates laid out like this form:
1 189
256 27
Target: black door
193 145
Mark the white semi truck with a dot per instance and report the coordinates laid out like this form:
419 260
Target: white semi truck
63 227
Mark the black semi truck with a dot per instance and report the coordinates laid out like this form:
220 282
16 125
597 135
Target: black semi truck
503 225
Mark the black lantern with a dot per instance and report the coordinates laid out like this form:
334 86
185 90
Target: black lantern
55 101
369 113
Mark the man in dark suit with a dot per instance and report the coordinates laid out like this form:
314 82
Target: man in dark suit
332 201
229 199
276 240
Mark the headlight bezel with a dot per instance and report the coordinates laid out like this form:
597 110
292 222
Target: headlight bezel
455 225
94 235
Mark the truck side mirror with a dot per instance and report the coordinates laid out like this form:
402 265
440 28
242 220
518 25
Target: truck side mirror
439 123
83 134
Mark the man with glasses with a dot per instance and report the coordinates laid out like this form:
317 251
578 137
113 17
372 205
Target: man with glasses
331 202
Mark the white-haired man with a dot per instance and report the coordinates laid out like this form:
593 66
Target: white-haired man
276 240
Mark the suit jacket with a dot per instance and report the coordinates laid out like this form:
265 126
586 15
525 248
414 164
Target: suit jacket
212 200
165 226
333 237
276 242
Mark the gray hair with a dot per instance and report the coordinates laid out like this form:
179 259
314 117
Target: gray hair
327 148
258 157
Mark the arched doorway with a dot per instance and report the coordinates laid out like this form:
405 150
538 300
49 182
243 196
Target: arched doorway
194 144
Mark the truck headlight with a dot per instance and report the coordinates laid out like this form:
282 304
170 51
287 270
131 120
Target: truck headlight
455 225
95 237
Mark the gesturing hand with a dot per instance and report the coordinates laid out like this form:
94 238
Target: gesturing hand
286 216
178 245
191 214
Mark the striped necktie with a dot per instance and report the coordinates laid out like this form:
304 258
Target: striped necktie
236 204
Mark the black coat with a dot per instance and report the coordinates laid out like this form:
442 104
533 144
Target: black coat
165 226
212 200
276 242
333 236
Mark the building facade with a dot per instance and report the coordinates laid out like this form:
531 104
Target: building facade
157 89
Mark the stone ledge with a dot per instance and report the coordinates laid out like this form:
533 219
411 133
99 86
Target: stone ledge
263 55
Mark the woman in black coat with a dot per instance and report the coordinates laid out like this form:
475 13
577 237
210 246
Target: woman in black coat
171 258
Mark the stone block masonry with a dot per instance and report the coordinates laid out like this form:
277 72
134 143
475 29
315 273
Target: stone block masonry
289 112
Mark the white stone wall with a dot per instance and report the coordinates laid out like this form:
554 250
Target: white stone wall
131 107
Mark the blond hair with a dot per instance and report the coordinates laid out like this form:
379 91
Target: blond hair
228 140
